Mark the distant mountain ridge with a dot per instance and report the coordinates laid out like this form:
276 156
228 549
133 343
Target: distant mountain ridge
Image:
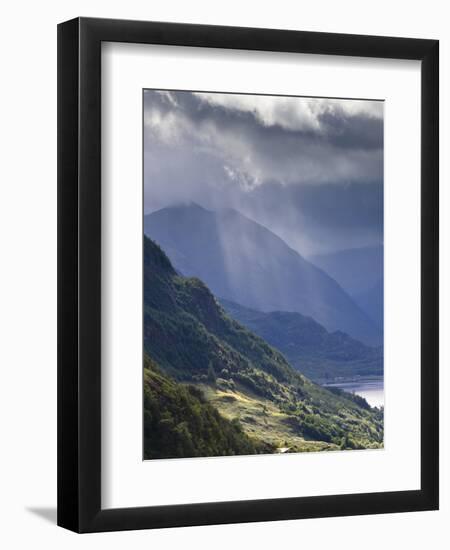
372 302
242 261
309 347
360 272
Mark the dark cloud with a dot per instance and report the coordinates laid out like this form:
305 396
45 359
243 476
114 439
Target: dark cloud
311 170
356 132
320 218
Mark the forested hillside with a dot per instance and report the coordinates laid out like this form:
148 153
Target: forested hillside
178 422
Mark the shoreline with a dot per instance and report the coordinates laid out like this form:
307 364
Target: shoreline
330 382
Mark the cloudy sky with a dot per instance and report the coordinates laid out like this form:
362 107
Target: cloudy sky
309 169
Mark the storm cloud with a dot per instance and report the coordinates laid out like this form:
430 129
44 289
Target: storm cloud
310 169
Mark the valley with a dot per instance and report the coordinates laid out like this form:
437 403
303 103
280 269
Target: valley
198 348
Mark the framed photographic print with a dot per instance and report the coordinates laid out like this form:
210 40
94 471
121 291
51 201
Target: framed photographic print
248 275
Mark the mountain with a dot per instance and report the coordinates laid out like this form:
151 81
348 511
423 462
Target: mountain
359 271
242 261
308 346
372 302
195 343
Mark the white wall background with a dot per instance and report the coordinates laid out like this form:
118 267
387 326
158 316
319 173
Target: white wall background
28 271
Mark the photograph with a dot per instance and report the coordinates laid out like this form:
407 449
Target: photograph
263 274
248 274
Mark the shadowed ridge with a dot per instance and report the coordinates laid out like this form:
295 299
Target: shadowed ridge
156 257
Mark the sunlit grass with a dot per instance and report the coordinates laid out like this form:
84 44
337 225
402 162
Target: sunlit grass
261 419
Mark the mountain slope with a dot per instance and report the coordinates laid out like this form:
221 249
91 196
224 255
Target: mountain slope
246 263
359 271
372 302
178 422
308 346
189 335
355 269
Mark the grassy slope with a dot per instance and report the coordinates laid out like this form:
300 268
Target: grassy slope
191 337
179 422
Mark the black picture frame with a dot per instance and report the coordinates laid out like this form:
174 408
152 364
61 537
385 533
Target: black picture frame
79 274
